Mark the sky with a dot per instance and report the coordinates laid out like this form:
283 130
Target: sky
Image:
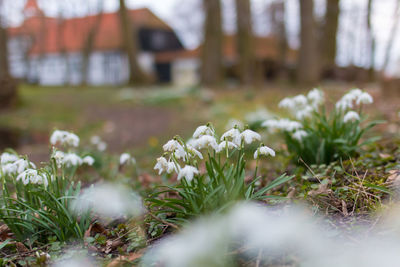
185 17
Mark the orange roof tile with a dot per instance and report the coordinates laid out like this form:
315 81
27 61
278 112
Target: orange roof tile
52 35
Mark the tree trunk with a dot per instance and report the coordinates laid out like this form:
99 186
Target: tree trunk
329 33
8 86
392 35
371 70
89 44
307 67
245 42
4 66
212 66
130 38
277 17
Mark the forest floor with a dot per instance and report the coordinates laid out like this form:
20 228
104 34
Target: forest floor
141 120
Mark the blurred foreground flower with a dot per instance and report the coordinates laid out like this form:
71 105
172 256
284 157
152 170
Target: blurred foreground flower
108 201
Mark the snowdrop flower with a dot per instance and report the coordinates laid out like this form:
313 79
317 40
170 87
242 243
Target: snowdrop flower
248 136
32 176
59 157
287 103
207 141
96 141
8 158
126 158
17 167
300 100
171 145
194 151
351 116
316 96
299 135
356 92
72 159
180 153
188 173
304 113
203 130
64 138
364 98
225 144
264 151
163 165
344 104
89 160
231 134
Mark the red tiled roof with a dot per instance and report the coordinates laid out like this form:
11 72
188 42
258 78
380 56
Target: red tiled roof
52 35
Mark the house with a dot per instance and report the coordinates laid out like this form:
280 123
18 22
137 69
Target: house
185 64
48 51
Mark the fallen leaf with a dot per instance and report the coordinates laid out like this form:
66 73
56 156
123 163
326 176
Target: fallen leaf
322 189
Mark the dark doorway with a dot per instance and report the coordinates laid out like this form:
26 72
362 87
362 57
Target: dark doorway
163 71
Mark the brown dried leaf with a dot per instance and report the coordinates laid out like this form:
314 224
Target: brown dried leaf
21 247
122 259
322 189
394 177
5 232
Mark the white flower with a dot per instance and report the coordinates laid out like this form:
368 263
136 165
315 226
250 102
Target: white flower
95 140
304 112
248 136
64 138
89 160
203 130
300 100
364 98
59 157
101 146
231 134
287 103
171 145
72 159
206 141
264 150
126 158
344 104
188 173
32 176
194 151
8 158
316 96
17 167
351 116
225 144
299 135
180 152
161 165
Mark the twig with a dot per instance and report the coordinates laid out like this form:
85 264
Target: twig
163 221
258 258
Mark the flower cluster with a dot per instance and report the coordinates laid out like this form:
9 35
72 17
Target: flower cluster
64 138
32 176
205 140
317 136
71 159
12 164
68 159
352 98
302 106
98 143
